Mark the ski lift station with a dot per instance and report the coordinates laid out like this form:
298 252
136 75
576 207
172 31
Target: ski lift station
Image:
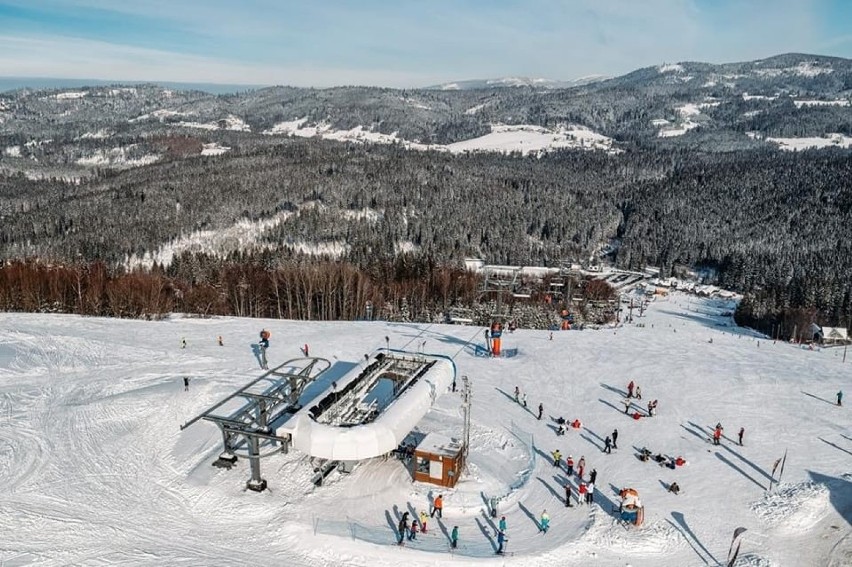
366 413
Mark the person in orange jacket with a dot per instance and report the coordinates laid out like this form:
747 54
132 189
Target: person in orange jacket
438 506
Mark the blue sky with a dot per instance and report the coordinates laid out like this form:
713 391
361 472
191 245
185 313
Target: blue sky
400 43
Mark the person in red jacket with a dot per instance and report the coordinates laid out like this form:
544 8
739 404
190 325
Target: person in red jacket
717 435
569 465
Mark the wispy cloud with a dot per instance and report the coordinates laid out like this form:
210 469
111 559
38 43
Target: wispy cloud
401 43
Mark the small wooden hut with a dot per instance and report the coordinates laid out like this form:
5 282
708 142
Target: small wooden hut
438 460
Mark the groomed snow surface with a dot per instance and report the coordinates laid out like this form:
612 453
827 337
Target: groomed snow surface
95 471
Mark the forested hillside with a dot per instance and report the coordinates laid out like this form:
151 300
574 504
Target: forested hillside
679 165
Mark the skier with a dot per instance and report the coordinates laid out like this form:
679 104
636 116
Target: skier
630 389
438 506
581 465
424 517
840 397
615 438
524 399
501 539
403 528
590 493
581 493
221 341
593 476
557 456
412 534
186 383
183 343
502 525
607 445
568 495
638 393
305 350
454 537
627 403
740 435
517 395
569 465
717 435
544 524
540 411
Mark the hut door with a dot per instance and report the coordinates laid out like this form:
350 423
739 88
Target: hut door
436 470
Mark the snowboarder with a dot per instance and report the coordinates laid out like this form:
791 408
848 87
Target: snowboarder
740 435
607 445
424 517
501 539
593 476
568 495
454 537
561 429
438 506
638 393
840 398
517 395
186 383
569 465
590 493
627 403
540 411
581 465
557 456
630 389
544 524
502 525
183 343
674 488
615 438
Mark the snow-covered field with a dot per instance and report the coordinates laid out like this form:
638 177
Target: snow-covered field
503 138
95 471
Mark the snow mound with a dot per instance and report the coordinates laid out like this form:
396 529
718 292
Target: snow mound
795 508
752 560
657 538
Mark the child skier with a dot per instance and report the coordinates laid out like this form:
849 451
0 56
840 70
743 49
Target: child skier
412 535
424 517
544 524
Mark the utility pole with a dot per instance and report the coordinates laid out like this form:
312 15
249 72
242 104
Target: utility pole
466 400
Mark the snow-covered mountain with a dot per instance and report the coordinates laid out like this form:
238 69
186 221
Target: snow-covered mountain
95 468
538 83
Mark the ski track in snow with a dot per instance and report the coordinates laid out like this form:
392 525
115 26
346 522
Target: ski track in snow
95 470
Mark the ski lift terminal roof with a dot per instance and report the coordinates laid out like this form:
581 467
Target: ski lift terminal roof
371 410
